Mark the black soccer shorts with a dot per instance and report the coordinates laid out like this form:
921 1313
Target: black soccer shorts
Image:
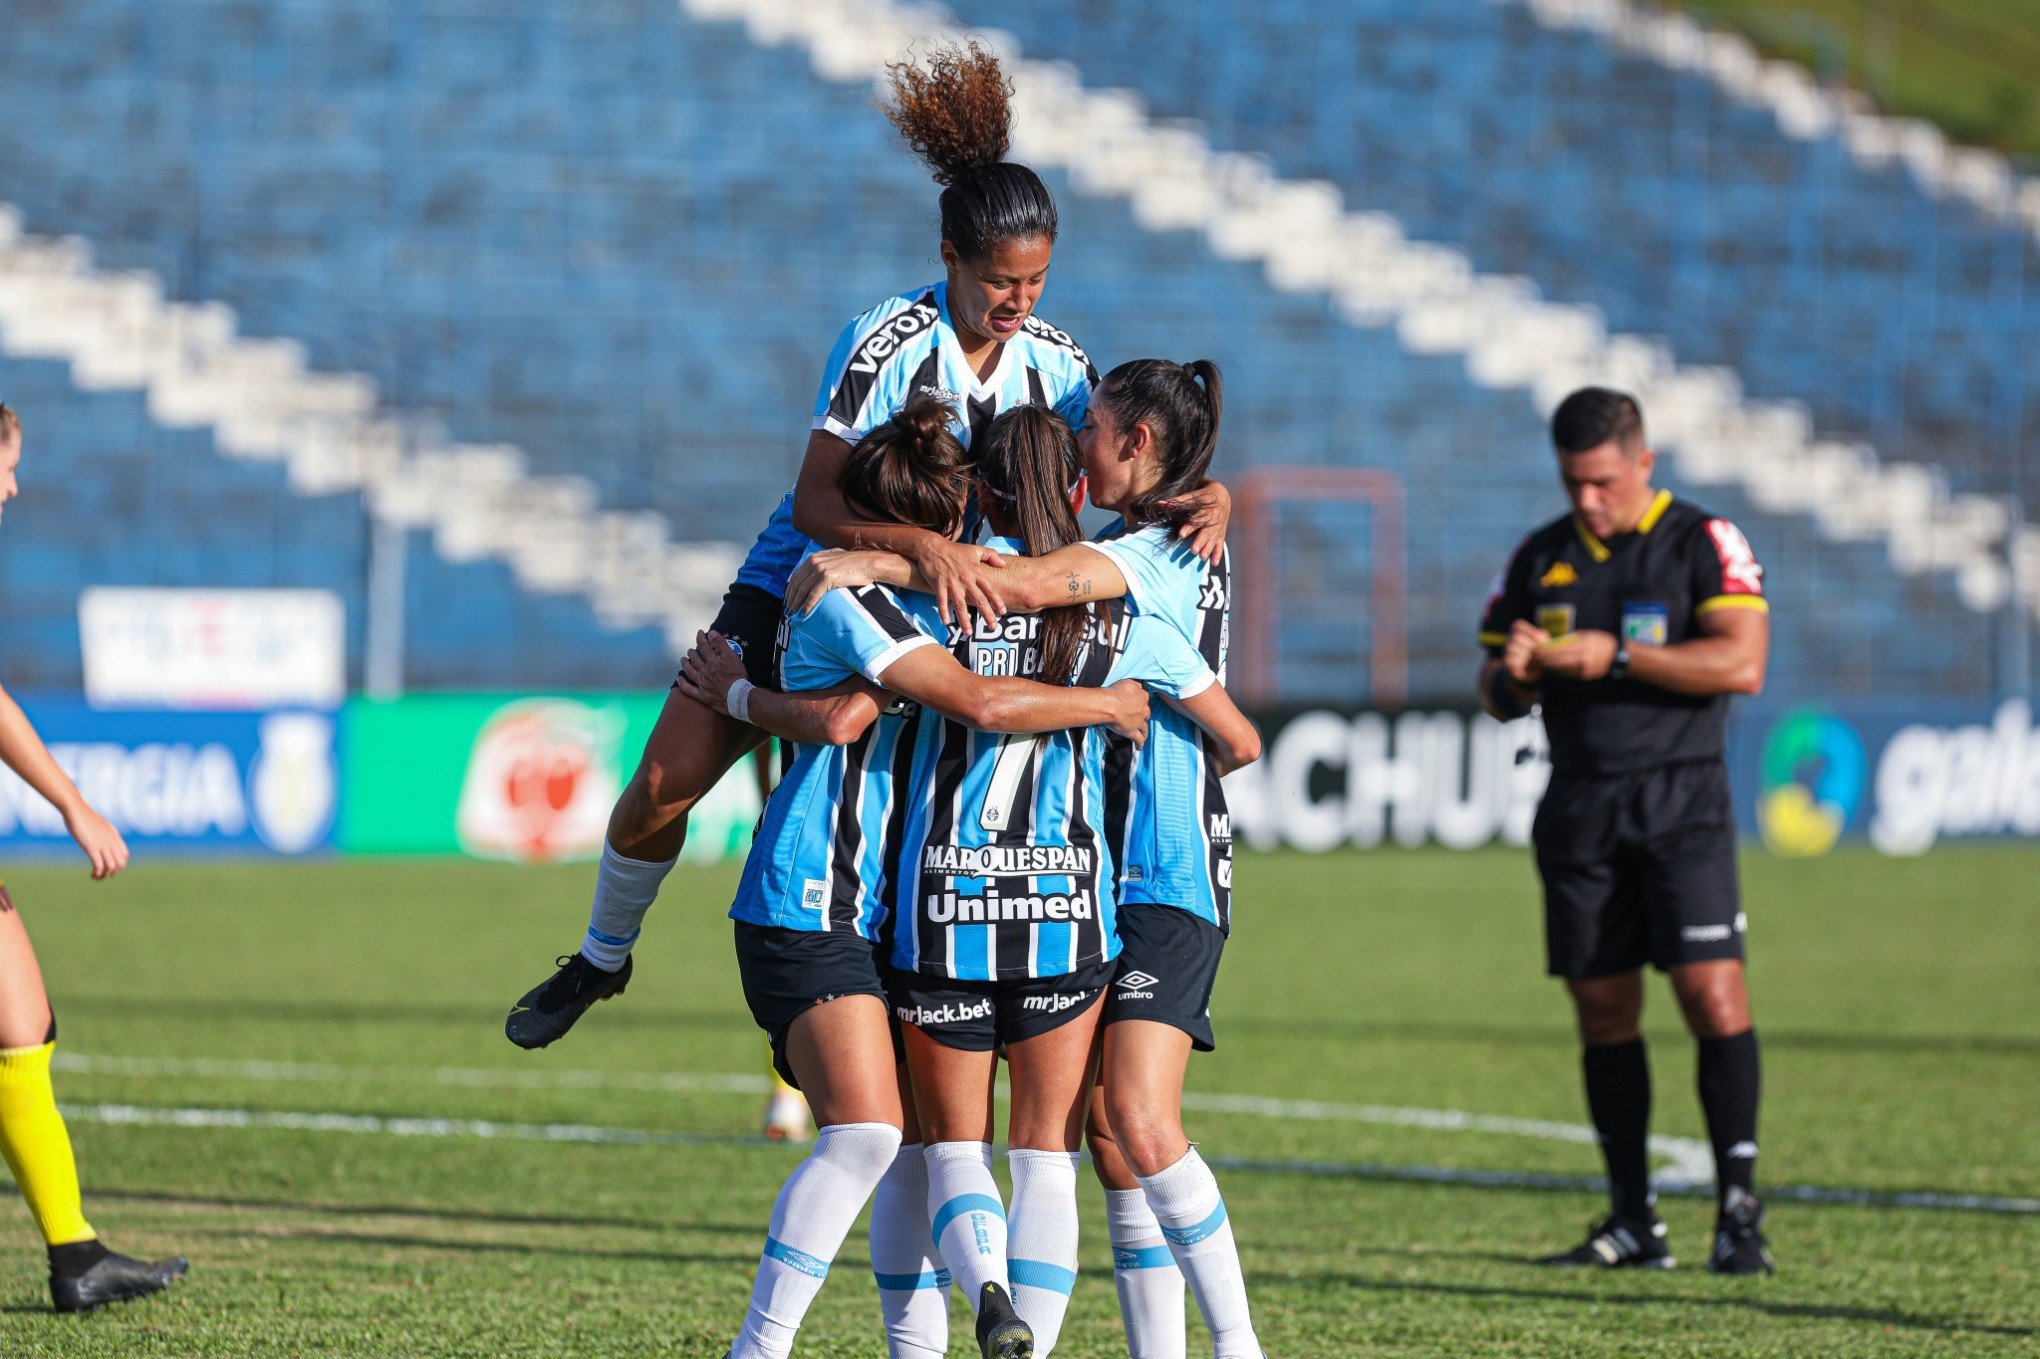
982 1016
749 617
1168 963
788 972
1639 868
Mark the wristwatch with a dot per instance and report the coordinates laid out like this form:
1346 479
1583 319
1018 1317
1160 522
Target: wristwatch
1619 667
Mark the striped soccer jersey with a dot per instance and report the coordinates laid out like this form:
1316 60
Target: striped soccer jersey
900 349
1003 868
1166 811
820 858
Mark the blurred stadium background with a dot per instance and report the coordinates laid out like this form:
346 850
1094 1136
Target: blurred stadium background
465 347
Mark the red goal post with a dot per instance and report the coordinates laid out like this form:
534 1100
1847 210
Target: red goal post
1258 497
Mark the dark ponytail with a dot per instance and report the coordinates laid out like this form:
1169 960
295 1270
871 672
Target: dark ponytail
911 469
957 115
1026 463
1180 403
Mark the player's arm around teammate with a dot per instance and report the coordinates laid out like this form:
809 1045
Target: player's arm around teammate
810 910
1633 621
84 1274
973 335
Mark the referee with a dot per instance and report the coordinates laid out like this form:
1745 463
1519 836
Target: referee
1631 621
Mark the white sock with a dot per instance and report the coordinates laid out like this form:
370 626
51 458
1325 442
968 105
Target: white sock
1191 1211
1150 1285
913 1284
1041 1242
968 1221
624 891
815 1210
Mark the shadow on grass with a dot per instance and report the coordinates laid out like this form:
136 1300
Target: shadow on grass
1809 1311
1560 1035
574 1251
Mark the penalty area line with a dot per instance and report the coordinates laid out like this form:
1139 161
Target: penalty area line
132 1115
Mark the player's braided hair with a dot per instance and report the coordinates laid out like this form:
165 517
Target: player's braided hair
911 469
1027 463
957 116
1180 403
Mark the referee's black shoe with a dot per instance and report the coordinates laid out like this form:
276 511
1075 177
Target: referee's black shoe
1001 1334
549 1009
1618 1243
1739 1247
86 1275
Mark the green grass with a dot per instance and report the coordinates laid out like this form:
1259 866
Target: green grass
1895 999
1972 66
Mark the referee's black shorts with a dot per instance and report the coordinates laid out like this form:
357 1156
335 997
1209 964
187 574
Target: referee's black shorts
1638 868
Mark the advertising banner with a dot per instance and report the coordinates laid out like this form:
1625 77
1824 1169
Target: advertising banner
516 777
147 647
241 782
1903 777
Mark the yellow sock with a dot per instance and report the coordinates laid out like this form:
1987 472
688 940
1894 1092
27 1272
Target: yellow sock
37 1147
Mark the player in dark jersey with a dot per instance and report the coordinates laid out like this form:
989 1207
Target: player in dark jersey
1631 621
84 1274
812 908
973 338
1151 431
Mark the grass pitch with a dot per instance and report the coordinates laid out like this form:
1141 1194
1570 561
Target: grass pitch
286 1072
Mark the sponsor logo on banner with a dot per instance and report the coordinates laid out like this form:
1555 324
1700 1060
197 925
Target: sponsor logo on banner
220 781
1937 781
1810 783
540 783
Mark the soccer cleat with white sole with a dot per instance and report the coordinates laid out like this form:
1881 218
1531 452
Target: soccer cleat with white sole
1618 1243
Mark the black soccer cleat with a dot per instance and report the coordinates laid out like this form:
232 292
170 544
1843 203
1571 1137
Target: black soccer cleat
1001 1334
114 1278
549 1009
1739 1247
1618 1243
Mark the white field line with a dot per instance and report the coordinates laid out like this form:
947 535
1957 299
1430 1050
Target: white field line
132 1115
1689 1159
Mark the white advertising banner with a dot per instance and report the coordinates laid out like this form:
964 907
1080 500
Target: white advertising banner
213 648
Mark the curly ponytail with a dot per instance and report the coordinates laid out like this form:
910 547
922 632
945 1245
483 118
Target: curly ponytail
957 115
1180 403
911 469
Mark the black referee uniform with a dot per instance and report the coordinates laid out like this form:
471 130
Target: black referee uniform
1635 838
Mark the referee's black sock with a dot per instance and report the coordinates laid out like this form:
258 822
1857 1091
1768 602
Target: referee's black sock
1618 1098
1730 1082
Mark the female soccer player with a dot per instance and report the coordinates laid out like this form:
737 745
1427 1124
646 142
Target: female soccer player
812 902
1005 936
972 336
84 1274
1151 431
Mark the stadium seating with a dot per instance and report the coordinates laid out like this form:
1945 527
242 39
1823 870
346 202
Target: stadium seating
1662 199
623 241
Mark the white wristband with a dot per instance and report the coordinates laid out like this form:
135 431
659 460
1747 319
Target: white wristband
738 700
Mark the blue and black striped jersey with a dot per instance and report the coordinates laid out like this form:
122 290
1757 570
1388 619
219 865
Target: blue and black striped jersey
821 855
1171 830
1004 868
904 347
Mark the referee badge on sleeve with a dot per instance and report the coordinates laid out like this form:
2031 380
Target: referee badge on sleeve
1555 619
1645 624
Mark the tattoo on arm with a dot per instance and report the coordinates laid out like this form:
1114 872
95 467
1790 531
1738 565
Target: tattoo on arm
1077 586
6 902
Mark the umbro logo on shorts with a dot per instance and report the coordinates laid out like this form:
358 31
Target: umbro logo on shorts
1137 985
